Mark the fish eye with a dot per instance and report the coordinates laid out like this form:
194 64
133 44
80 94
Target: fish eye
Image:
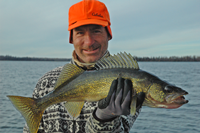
168 89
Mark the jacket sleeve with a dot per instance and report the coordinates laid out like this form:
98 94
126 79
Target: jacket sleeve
44 86
120 124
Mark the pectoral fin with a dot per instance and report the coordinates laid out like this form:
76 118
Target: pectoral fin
133 105
74 108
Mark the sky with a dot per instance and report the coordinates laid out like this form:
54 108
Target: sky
141 27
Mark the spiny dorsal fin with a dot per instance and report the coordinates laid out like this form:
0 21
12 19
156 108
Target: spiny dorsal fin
122 60
68 73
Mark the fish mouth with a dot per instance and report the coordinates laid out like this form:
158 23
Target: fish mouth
170 102
179 99
176 100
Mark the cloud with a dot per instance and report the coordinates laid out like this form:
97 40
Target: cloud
173 42
151 28
39 28
146 18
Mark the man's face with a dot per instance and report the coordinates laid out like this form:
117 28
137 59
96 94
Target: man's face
90 42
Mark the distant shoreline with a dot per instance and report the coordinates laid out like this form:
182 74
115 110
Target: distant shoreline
153 59
12 58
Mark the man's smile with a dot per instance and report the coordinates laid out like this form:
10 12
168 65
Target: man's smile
91 51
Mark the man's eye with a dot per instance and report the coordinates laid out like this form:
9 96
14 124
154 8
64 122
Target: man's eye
80 33
97 31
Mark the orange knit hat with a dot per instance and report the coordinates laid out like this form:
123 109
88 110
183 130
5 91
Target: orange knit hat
88 12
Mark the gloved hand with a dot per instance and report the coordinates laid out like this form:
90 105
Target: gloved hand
118 100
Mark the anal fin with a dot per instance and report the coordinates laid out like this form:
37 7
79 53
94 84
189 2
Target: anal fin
74 108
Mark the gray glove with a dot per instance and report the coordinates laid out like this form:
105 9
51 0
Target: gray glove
118 100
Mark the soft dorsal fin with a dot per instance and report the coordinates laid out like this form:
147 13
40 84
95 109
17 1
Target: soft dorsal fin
122 60
68 73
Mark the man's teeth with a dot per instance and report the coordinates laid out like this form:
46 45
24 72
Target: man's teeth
90 50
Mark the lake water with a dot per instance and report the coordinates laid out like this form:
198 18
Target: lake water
20 78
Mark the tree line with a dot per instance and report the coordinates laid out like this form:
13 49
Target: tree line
171 58
160 58
13 58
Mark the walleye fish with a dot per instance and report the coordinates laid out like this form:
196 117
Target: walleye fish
76 86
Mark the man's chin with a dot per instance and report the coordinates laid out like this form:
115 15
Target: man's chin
91 58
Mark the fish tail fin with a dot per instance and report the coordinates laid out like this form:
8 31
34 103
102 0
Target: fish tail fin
29 110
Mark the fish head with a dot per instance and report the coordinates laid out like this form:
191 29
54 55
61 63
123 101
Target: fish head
161 94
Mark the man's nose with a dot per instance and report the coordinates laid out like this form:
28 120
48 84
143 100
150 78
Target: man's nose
89 40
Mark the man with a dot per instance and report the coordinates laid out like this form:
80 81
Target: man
89 27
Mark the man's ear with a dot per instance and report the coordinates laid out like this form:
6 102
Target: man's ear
71 36
109 38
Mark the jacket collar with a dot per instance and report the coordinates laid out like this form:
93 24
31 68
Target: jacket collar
86 66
